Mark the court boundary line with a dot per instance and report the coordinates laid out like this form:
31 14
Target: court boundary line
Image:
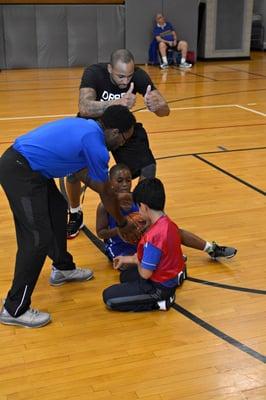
250 110
225 286
217 332
229 174
210 152
141 110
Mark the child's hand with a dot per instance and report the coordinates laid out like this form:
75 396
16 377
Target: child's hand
125 200
117 262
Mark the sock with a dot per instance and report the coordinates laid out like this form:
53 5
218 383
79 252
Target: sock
75 209
162 305
164 60
183 60
208 247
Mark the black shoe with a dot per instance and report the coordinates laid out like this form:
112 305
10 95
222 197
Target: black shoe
75 224
164 305
221 251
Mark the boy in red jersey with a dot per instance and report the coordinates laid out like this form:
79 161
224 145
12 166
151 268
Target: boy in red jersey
158 266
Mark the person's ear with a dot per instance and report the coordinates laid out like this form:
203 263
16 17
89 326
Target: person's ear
109 68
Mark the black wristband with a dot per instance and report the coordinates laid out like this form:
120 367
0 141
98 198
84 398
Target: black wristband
124 223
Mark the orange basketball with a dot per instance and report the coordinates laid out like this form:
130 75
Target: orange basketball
140 223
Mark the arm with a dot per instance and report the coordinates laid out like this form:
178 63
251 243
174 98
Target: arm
174 38
120 260
102 229
110 202
161 40
156 103
90 107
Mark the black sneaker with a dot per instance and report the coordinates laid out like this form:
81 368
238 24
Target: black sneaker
75 223
221 251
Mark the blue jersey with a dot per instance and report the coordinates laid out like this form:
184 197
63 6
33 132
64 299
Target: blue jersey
115 246
66 146
165 32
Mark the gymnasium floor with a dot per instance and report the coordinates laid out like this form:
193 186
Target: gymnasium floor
211 156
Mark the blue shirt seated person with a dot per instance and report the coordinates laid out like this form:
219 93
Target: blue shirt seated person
166 37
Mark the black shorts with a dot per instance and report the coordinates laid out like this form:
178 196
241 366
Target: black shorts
135 153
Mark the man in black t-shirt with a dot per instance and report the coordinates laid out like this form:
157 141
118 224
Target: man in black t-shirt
103 85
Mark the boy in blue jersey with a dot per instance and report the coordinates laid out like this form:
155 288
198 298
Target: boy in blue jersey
27 169
165 35
106 227
157 268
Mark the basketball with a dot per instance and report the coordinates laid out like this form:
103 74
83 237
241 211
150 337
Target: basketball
139 222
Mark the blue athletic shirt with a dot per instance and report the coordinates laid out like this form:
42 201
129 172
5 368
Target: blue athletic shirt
116 246
66 146
164 32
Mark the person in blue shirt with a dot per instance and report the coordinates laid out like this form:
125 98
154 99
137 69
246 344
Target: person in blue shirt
27 169
166 37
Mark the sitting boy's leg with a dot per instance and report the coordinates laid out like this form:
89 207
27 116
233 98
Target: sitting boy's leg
129 274
131 296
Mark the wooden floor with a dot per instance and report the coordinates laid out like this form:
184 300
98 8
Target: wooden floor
211 154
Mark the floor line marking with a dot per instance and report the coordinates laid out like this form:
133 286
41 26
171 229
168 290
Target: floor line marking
37 117
197 107
250 110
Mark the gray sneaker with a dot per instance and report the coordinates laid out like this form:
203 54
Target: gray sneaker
59 277
221 251
164 66
30 319
185 65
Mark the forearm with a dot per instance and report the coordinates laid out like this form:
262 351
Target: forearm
93 108
163 111
111 204
159 39
107 233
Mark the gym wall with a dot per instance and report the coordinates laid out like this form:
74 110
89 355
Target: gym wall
44 36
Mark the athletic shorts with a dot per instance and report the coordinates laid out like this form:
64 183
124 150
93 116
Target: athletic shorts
135 153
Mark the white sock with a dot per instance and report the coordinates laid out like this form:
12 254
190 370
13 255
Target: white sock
162 305
165 60
208 247
75 209
183 60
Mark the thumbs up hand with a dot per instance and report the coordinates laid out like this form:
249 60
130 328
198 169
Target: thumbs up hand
153 99
129 98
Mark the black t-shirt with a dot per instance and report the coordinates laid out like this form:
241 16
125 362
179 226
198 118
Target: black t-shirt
97 77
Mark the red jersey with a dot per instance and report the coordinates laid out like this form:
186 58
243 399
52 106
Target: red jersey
160 250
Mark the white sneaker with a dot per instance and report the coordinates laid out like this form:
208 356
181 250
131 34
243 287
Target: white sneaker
164 66
185 65
59 277
30 319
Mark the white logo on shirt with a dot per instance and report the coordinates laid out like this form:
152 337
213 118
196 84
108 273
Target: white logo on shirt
106 96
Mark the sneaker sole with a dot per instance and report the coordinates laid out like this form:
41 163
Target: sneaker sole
227 257
24 325
69 237
70 280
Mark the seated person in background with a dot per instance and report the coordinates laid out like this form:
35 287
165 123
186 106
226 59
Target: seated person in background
106 227
166 37
157 268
